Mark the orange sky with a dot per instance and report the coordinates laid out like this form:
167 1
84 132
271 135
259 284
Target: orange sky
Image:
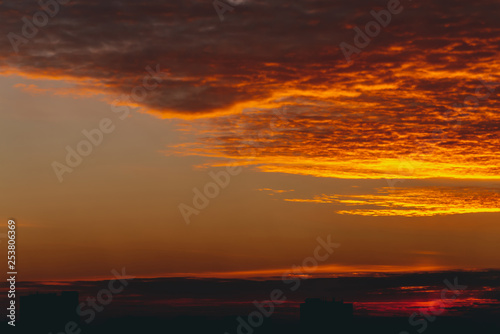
394 154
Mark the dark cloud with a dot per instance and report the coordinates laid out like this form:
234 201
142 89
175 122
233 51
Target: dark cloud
173 296
400 96
259 49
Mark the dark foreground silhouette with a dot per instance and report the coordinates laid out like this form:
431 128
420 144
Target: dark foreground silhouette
54 314
196 325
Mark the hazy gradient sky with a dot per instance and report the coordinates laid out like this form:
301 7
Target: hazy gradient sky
319 138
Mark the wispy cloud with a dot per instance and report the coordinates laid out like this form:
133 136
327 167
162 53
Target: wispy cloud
415 202
396 102
275 191
268 54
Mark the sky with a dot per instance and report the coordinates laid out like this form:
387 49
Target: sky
397 295
389 148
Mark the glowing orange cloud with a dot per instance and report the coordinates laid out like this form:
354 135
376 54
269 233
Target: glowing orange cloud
416 202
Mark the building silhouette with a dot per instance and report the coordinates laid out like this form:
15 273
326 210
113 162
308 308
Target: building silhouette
46 312
323 316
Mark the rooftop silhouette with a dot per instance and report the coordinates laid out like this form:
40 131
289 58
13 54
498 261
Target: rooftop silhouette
48 312
320 316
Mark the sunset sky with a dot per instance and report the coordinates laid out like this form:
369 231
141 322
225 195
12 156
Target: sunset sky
393 153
